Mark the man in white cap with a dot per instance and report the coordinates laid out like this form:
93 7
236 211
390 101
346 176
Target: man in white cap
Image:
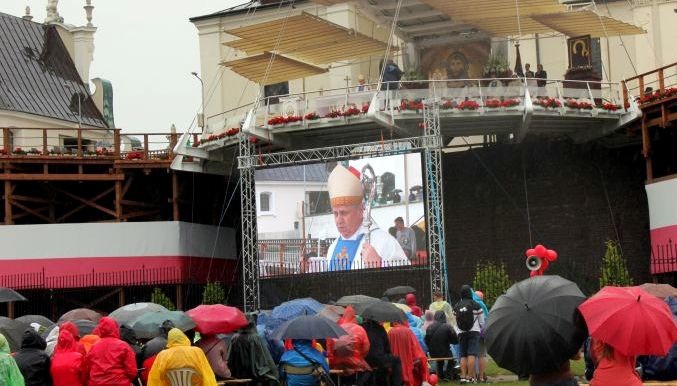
350 250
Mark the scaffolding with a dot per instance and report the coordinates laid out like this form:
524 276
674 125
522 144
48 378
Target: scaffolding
434 209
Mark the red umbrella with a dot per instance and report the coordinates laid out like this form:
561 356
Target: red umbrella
217 319
630 320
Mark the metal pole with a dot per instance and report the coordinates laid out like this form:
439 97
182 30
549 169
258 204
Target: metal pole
202 97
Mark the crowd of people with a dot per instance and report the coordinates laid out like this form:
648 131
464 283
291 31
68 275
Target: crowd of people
394 353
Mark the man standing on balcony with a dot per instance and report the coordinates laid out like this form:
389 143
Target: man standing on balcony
350 250
406 237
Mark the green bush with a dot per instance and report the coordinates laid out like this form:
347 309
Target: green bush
614 270
159 297
492 279
213 294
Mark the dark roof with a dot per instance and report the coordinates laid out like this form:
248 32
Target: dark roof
247 7
37 75
313 173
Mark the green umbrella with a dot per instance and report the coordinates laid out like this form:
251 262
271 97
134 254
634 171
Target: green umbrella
147 326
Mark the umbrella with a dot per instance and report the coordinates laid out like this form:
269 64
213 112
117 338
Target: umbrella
147 326
630 320
128 313
383 312
9 295
85 327
309 327
291 309
359 302
39 319
660 290
13 330
400 290
331 312
80 314
534 327
217 319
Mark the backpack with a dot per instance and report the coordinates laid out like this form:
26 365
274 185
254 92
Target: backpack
465 315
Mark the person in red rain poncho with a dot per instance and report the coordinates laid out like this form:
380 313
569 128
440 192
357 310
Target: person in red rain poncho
404 344
67 362
110 362
348 352
411 302
75 333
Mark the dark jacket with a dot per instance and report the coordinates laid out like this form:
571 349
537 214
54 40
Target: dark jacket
249 356
32 360
379 345
439 336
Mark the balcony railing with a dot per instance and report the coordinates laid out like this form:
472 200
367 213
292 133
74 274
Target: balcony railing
643 86
86 143
283 257
341 105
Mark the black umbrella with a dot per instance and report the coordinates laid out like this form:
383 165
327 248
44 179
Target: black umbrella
359 302
9 295
309 327
383 312
400 290
39 319
13 330
535 327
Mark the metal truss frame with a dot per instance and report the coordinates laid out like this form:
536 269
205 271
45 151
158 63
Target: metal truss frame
434 205
429 144
250 260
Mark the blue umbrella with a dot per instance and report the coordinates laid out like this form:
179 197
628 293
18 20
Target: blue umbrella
291 309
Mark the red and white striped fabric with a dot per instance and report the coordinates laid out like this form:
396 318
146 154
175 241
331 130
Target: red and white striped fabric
662 198
109 254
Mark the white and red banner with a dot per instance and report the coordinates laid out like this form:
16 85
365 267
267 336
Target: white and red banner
111 254
662 198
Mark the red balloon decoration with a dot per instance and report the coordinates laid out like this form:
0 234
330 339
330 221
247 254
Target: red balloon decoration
546 256
432 379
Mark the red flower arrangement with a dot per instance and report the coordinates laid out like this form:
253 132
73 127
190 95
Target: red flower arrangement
609 106
3 152
512 102
365 107
493 103
293 118
19 151
351 111
132 155
277 120
448 104
333 114
213 137
468 105
311 116
103 151
574 104
658 95
548 102
406 104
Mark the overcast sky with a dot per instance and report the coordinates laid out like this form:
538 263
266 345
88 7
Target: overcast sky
147 49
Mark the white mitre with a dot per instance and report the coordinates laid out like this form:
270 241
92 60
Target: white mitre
345 187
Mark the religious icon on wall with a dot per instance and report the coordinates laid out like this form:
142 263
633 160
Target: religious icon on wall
455 61
580 51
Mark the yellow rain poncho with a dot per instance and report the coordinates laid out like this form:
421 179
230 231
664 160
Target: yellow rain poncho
180 354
